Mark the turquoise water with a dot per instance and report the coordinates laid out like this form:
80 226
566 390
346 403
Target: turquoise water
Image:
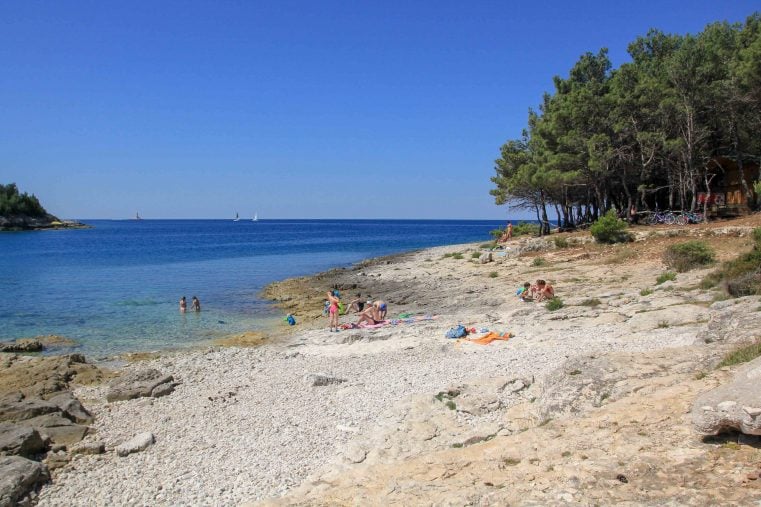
115 288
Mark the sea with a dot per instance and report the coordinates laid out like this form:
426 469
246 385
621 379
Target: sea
115 287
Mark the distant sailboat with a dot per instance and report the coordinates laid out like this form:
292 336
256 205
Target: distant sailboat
237 218
256 217
137 216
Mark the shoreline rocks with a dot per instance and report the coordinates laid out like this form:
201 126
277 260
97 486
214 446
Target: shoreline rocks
28 223
140 384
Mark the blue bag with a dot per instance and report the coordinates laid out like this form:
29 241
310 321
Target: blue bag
457 332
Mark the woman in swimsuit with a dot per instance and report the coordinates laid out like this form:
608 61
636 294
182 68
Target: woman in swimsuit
195 304
370 315
183 304
333 310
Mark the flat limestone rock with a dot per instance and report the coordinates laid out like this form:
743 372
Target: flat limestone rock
19 476
13 408
139 442
735 406
142 383
58 429
20 440
89 448
72 408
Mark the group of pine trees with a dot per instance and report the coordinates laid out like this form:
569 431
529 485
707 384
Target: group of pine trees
13 203
644 135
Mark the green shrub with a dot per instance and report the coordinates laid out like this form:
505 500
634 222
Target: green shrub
493 274
475 255
554 304
561 242
591 302
496 233
688 255
610 229
526 229
756 235
668 276
539 261
742 355
740 276
458 256
645 292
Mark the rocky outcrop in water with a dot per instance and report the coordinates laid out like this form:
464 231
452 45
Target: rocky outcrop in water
27 223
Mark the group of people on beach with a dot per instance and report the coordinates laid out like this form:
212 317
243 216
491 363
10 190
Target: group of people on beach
370 312
195 305
540 291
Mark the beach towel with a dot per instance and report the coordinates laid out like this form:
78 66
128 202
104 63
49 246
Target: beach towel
487 338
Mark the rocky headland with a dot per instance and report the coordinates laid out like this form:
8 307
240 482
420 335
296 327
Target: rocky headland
30 223
613 398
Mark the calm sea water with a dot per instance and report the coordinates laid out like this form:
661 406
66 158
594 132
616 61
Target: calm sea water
115 288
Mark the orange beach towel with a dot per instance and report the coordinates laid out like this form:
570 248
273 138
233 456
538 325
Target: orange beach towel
487 338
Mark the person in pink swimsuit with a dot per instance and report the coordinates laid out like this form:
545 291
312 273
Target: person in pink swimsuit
333 310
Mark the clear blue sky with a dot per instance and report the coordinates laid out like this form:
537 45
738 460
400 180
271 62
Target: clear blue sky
347 109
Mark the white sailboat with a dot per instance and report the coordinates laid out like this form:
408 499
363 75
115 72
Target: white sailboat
256 217
137 216
237 218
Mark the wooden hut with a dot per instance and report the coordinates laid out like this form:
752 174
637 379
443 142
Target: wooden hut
728 196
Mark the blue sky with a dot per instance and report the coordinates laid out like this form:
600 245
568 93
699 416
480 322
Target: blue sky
328 109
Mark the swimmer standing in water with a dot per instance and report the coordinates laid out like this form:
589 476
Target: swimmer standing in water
183 304
195 304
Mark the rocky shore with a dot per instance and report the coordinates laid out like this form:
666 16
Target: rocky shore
28 223
592 403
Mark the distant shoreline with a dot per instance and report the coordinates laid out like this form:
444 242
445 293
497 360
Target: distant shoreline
18 223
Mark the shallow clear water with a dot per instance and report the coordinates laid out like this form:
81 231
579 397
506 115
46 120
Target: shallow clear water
115 288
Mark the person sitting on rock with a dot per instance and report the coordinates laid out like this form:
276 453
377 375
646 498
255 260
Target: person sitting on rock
356 305
371 315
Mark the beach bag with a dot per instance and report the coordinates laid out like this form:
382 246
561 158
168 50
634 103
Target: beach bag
457 332
291 320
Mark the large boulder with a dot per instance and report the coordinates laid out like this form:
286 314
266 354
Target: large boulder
15 407
20 440
71 407
18 477
58 429
735 406
142 383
